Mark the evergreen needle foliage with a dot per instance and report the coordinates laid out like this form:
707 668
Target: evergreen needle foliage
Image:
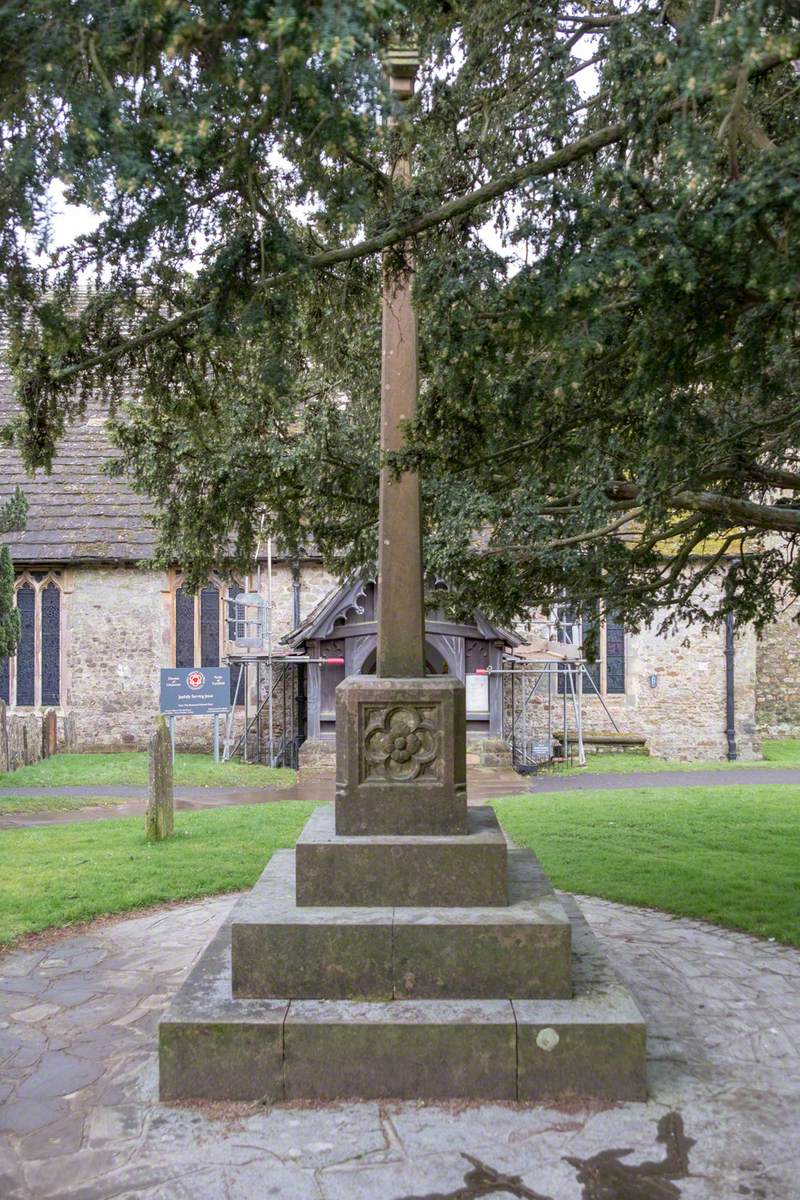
610 403
12 517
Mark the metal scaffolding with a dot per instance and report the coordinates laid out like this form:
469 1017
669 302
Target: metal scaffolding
540 690
544 700
267 720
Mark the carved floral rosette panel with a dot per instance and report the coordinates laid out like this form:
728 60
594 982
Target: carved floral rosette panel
400 743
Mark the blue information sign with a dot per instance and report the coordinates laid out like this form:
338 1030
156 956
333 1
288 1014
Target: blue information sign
195 690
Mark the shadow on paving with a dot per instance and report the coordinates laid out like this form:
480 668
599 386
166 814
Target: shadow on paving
604 1176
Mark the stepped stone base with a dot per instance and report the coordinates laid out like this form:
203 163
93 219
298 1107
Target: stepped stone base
383 953
459 870
589 1047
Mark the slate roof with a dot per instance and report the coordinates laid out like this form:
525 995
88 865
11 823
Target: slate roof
320 621
76 514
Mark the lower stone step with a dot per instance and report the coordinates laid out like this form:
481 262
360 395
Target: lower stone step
587 1048
521 950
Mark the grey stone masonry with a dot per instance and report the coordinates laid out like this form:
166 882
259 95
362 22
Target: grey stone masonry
428 1049
411 870
279 949
590 1045
212 1047
521 950
401 765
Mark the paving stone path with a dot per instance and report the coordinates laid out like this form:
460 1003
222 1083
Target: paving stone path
79 1116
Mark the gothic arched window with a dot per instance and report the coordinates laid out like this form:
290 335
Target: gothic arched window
198 625
32 676
606 670
203 623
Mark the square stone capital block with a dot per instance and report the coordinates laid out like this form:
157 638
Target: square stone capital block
401 756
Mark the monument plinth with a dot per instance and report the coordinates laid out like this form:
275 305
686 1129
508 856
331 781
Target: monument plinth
401 765
402 951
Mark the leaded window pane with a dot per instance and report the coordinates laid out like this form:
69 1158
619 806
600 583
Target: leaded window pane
5 680
26 603
593 671
569 631
50 601
237 628
209 626
184 628
615 657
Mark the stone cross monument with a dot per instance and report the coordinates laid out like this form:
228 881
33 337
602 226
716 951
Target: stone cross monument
401 736
403 949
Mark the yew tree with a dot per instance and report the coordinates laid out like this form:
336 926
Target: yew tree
604 223
12 517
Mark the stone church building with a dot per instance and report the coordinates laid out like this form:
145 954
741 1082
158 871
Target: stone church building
99 621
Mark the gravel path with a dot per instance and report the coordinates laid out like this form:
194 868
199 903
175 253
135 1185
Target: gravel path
738 777
484 783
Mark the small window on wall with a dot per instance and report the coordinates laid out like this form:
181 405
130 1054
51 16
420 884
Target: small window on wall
198 625
202 622
32 676
614 657
606 671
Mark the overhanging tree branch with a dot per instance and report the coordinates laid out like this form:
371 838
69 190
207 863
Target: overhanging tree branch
777 517
584 147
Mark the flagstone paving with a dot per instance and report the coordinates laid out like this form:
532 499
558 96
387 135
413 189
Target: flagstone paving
79 1116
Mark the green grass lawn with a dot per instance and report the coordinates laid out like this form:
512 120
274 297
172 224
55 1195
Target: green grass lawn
130 768
35 804
66 873
779 753
729 855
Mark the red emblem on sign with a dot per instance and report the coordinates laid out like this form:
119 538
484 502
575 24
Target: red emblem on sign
196 679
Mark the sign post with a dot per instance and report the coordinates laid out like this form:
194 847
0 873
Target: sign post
195 691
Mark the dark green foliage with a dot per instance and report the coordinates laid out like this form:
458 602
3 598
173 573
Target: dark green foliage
12 516
611 397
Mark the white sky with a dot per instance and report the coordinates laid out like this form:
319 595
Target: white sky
70 221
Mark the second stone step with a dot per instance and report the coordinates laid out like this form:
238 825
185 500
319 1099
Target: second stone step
518 951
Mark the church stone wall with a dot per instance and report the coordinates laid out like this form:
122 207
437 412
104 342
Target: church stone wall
683 716
778 677
315 584
117 636
118 633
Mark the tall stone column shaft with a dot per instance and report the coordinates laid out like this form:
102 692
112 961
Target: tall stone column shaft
401 605
400 737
